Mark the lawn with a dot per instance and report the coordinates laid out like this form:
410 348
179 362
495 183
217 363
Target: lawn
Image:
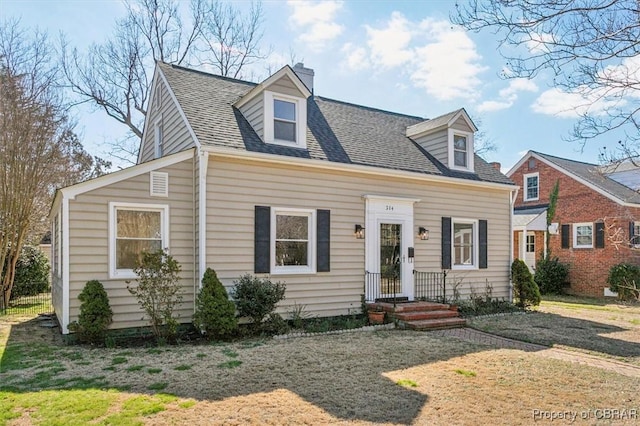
393 377
593 326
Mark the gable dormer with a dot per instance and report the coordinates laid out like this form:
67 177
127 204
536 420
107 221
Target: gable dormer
449 138
277 109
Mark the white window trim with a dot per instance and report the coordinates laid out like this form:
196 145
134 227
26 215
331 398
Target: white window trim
476 244
301 120
575 235
636 236
292 270
525 193
470 156
164 225
158 142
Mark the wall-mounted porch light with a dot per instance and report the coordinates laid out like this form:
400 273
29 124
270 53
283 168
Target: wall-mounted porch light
359 232
423 233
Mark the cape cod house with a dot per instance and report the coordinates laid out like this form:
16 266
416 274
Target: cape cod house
596 221
274 180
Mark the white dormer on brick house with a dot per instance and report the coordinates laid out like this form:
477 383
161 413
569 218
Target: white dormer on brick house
277 107
449 138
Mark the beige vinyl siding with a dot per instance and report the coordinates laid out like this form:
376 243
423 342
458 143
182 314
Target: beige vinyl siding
437 144
56 273
233 192
461 124
175 133
89 240
285 86
253 111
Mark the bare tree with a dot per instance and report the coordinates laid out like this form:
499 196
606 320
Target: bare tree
591 47
34 157
115 76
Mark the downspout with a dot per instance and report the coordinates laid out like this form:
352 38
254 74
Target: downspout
514 197
64 323
194 194
203 164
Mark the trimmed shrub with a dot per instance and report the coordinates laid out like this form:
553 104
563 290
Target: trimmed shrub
32 273
551 276
95 313
275 324
525 289
215 313
257 297
624 278
159 292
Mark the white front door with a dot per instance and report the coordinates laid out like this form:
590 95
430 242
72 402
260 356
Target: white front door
528 249
389 235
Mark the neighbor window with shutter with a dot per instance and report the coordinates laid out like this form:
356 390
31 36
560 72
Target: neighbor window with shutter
582 235
133 229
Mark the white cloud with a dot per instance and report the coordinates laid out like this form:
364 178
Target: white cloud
357 58
490 106
316 20
389 45
572 105
537 44
447 66
508 95
438 57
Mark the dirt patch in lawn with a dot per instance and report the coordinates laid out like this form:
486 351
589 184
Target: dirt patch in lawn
394 377
608 330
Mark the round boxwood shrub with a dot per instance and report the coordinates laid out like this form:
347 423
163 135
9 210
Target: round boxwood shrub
256 297
95 313
32 273
215 313
551 276
624 278
525 289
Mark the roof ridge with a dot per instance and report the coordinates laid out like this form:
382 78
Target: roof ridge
399 114
562 158
208 74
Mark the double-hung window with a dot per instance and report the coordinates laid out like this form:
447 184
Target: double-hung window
460 151
285 119
134 229
293 240
465 243
532 186
583 235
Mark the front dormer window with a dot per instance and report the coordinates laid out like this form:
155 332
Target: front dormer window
285 120
460 150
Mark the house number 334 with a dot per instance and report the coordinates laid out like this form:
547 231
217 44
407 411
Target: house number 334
389 208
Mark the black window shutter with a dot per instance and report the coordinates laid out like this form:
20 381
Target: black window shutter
632 233
446 243
565 235
262 242
323 236
482 237
599 235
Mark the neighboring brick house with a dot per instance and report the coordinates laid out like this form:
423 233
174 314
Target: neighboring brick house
595 220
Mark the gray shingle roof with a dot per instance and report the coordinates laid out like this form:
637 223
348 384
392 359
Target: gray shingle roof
336 131
592 173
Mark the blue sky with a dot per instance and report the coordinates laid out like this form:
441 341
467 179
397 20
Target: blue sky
401 56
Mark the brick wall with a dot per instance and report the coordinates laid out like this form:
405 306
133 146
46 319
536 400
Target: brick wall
577 203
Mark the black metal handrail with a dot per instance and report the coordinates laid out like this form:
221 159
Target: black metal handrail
430 286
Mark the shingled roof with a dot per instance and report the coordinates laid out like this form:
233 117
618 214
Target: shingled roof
592 173
337 131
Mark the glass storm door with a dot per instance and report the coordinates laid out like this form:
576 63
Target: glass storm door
390 258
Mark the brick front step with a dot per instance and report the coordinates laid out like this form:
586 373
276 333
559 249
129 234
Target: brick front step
411 306
435 324
425 315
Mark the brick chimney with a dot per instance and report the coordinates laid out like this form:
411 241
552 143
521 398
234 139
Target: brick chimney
496 165
305 74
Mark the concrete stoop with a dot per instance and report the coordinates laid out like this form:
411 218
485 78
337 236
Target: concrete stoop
422 315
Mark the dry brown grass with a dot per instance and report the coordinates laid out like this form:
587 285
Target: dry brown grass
348 378
604 329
